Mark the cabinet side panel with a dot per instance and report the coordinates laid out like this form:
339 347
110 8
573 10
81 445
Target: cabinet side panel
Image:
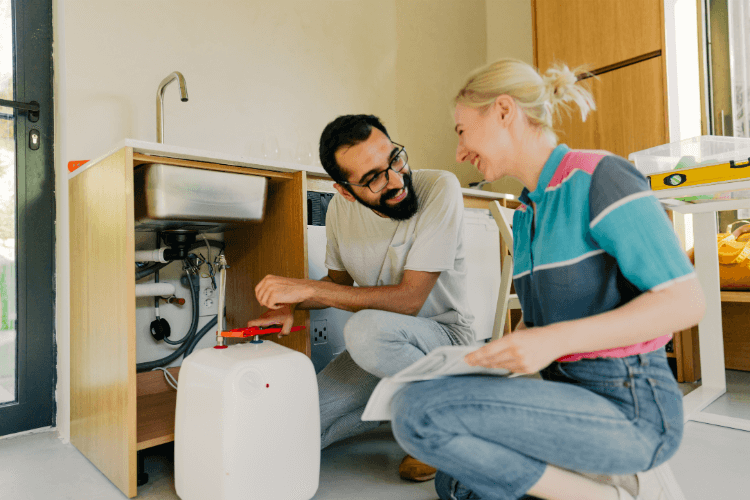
102 295
277 246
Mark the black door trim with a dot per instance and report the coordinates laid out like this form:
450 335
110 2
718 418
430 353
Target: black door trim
35 223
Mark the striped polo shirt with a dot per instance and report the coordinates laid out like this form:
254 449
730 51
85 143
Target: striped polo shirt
598 239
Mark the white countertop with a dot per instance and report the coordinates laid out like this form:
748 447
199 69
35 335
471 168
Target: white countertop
183 153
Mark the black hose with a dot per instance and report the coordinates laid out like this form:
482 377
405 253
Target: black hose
194 341
150 365
195 297
147 271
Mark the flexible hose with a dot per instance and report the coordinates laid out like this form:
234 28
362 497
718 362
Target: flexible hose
147 271
194 341
150 365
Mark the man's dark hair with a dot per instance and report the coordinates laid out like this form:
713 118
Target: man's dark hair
347 130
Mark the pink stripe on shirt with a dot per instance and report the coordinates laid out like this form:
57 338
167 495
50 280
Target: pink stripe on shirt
575 160
620 352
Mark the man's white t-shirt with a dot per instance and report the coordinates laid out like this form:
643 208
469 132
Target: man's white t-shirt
375 250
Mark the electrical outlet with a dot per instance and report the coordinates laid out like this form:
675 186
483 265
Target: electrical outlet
208 299
320 332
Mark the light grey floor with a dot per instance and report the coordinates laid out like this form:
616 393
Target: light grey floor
712 463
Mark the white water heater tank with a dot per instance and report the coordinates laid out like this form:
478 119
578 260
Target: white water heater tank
247 424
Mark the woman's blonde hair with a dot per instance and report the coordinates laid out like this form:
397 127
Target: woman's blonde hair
540 97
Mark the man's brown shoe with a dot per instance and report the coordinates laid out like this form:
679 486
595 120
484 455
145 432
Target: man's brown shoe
414 470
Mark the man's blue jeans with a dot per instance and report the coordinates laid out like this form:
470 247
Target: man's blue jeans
492 437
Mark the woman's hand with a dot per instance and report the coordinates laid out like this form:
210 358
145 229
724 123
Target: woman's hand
522 351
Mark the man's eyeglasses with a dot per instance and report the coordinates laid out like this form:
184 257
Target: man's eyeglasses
377 183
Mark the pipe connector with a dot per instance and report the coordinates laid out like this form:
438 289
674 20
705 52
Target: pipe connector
222 296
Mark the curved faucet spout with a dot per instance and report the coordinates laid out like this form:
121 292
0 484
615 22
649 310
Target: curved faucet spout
160 101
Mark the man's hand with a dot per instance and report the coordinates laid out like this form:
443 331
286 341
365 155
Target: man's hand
274 292
525 351
283 316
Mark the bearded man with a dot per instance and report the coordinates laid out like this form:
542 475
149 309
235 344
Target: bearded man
398 234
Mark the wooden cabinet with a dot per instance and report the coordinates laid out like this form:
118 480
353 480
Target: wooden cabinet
735 311
622 43
631 111
114 411
736 325
596 33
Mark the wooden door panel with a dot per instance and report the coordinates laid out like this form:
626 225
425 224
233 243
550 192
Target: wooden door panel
596 33
630 114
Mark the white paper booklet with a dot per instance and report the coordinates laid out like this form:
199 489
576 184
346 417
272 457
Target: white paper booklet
441 362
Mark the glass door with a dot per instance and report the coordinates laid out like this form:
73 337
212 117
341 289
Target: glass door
8 314
27 216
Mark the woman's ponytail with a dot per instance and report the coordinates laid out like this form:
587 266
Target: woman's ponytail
540 97
563 88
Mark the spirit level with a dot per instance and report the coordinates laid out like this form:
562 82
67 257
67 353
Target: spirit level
699 175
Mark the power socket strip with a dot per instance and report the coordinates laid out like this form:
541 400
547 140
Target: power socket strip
319 332
208 298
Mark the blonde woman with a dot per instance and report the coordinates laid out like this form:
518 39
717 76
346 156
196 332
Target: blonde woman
602 282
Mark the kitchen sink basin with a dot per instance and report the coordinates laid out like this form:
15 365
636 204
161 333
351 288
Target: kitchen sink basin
169 197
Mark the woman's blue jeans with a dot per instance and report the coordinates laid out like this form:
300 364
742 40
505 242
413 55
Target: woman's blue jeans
491 438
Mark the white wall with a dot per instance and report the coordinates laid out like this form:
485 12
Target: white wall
509 30
253 68
509 35
439 43
62 228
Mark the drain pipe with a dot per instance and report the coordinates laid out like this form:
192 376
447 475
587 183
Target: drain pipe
151 255
154 289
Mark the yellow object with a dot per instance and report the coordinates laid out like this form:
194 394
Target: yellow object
697 176
734 265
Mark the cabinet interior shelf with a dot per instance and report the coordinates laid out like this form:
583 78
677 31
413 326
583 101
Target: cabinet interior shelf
156 405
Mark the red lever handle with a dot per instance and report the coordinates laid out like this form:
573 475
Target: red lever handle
255 330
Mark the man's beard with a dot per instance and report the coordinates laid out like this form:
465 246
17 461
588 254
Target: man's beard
404 210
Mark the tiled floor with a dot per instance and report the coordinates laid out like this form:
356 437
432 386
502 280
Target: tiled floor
712 464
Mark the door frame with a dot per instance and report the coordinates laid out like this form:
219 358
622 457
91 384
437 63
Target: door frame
36 361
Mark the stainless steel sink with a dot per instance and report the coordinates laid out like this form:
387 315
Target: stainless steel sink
168 197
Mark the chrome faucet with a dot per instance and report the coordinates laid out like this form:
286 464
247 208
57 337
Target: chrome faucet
160 101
